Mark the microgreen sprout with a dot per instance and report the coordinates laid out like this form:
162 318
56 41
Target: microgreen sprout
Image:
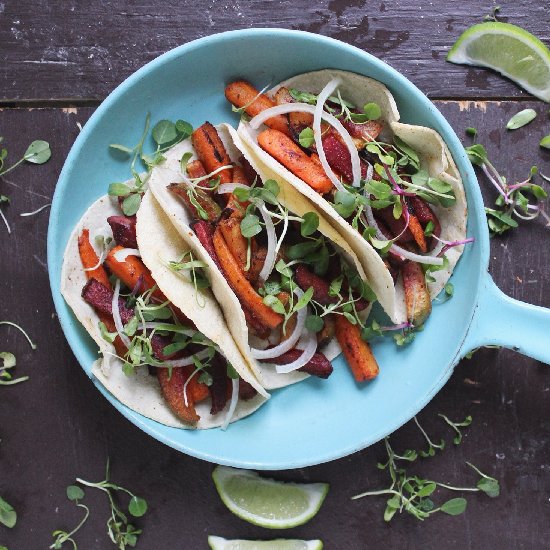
522 200
493 15
8 516
432 446
165 134
119 529
190 267
38 152
521 119
9 361
456 426
412 494
74 494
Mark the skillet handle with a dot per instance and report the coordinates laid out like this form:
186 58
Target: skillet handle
503 321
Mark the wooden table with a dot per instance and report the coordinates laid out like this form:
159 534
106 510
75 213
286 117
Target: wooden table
60 59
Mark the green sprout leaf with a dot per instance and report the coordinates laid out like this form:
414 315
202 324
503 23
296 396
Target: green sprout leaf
250 226
8 515
545 142
306 138
373 111
310 223
454 507
314 323
521 119
164 132
119 190
137 507
74 492
131 204
38 152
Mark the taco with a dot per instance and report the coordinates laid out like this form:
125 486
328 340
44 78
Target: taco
292 290
391 189
177 369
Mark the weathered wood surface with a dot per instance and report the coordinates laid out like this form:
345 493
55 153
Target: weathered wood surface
57 426
80 50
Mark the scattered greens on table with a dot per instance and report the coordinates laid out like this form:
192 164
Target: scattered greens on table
8 360
121 532
38 152
410 493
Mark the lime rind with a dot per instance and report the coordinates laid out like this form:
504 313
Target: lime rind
266 502
508 49
219 543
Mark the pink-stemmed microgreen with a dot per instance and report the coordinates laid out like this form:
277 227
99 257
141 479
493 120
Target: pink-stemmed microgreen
522 200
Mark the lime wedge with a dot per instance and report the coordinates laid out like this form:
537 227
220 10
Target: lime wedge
265 502
508 49
219 543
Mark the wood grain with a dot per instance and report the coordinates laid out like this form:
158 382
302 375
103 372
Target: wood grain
57 426
80 50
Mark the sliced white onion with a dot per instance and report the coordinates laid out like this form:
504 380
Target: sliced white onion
290 342
185 400
232 403
123 253
333 121
309 342
184 361
99 262
116 316
431 259
230 187
370 172
271 255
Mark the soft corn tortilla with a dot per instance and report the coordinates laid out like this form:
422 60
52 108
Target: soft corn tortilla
434 155
141 392
170 171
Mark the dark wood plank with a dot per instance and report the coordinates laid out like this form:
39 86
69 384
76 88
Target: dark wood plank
84 50
56 426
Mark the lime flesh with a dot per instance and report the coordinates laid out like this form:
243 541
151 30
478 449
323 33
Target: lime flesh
508 49
265 502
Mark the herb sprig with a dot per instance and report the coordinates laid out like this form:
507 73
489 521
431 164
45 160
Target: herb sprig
521 200
38 152
9 360
412 494
165 135
121 532
8 516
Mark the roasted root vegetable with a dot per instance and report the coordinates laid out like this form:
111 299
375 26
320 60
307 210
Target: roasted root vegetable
248 297
199 202
124 230
218 388
172 388
284 150
318 365
100 298
356 351
418 233
195 169
131 271
296 121
238 245
244 96
90 260
211 151
417 297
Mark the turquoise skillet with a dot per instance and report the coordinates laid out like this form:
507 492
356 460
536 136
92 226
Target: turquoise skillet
314 421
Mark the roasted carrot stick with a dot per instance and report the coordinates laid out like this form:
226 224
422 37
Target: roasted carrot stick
89 259
356 351
130 270
195 169
238 208
211 151
238 245
283 149
417 297
243 94
417 232
296 121
208 205
249 298
172 389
